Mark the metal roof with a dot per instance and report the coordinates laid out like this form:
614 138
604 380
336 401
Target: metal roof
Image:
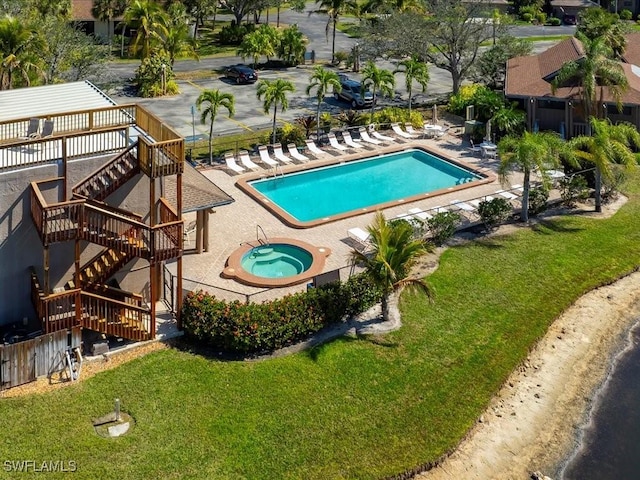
48 99
198 192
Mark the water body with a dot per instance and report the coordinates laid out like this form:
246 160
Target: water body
610 443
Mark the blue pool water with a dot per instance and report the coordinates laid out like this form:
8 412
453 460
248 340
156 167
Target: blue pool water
324 192
276 260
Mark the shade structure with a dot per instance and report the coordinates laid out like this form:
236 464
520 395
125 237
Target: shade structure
435 114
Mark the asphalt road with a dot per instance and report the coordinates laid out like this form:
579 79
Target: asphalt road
177 110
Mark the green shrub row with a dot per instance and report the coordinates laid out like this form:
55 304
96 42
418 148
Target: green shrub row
253 328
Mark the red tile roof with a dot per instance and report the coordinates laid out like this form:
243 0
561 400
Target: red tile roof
632 52
81 10
531 76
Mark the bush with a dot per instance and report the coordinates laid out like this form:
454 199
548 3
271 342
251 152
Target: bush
252 328
351 118
554 21
526 17
538 197
340 57
573 189
442 226
541 18
486 101
287 133
494 212
233 34
155 77
611 185
626 14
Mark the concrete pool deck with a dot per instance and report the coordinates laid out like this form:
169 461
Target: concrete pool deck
238 222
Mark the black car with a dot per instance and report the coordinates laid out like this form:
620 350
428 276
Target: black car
242 74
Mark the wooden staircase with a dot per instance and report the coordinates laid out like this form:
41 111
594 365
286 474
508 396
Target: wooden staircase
100 268
107 179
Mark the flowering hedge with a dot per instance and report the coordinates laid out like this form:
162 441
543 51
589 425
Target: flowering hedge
259 328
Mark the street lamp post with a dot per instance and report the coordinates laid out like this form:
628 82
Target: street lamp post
164 79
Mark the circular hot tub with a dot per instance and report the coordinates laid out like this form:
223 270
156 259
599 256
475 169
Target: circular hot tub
279 263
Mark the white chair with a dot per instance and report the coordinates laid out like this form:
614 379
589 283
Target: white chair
246 162
474 148
464 206
477 201
361 236
295 154
420 214
313 148
348 141
440 209
333 141
380 136
279 154
364 135
409 129
265 157
398 131
508 195
231 163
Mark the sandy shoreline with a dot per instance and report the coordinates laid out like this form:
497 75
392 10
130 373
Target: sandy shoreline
531 424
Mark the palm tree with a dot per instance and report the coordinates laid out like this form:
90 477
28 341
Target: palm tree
178 40
414 71
150 21
213 100
379 79
509 120
106 11
335 8
592 72
321 79
607 145
532 151
18 52
274 93
393 253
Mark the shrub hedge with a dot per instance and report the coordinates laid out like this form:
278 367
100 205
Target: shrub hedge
253 328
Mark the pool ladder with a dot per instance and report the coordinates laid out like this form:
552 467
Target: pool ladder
275 171
264 235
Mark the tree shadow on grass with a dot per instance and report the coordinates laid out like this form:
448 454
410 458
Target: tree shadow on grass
547 227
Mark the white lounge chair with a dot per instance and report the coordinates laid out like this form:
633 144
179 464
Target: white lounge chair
313 148
364 135
439 209
361 236
346 138
246 162
474 148
398 131
279 154
295 154
420 214
230 160
464 206
477 201
333 141
380 136
508 195
409 129
265 157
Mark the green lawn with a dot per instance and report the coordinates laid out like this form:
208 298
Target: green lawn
353 408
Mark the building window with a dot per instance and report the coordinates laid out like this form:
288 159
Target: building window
551 104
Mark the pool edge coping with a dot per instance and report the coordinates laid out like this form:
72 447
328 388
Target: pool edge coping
287 219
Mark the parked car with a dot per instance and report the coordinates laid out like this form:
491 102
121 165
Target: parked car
570 20
242 74
353 92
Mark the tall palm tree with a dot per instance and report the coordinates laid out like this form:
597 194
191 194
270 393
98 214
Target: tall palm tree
213 100
106 11
274 93
532 151
18 52
595 71
414 71
607 145
379 79
388 264
150 22
321 79
335 8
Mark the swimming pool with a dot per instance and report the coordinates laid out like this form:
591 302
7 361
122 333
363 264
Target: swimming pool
320 195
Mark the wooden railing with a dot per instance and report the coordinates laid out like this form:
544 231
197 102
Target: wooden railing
126 319
167 212
161 159
155 127
167 240
57 222
125 160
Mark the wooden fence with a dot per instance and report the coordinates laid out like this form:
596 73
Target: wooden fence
23 362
